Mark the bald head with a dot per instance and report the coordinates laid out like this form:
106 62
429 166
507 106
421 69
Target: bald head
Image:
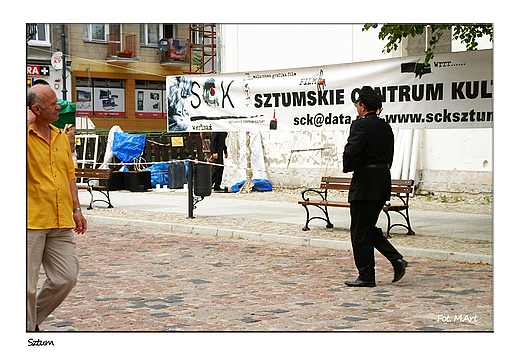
42 101
34 95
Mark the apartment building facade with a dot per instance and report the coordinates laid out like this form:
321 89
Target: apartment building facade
116 72
119 75
43 57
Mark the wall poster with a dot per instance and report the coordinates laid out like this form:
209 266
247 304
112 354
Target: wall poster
149 98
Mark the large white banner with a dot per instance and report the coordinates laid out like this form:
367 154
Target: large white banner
455 90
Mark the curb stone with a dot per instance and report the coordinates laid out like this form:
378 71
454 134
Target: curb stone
294 240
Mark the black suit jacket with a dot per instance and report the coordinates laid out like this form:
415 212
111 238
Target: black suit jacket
218 145
371 141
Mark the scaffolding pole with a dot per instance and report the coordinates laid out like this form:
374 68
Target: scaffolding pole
202 42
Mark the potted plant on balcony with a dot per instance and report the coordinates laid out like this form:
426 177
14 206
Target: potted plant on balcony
125 53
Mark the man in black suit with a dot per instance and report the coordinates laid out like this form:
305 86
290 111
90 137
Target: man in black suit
369 153
218 150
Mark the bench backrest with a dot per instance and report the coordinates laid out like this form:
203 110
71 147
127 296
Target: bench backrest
93 173
338 183
402 186
343 183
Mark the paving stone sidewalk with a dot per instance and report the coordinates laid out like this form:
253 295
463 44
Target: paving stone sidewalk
141 279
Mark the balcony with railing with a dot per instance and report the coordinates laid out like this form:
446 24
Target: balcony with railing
177 54
121 48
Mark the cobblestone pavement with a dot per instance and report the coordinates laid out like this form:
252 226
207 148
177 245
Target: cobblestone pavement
140 279
462 245
468 204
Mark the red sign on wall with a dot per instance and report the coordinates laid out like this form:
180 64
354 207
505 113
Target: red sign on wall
38 70
33 70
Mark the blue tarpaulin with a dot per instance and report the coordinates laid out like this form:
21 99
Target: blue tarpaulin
260 185
128 147
159 174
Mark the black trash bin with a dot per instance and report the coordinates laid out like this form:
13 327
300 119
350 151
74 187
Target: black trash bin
201 179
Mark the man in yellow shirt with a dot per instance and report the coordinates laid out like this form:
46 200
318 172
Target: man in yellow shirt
53 208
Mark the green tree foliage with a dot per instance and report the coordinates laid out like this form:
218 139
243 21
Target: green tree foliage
466 33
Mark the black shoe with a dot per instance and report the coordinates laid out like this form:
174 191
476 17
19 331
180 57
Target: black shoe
360 283
399 269
36 329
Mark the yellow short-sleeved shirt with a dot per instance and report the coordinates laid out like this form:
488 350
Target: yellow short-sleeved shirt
49 172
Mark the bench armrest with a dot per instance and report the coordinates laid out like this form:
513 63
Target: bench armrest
321 193
403 197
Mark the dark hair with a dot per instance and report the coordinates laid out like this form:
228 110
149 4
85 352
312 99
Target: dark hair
368 106
32 99
41 82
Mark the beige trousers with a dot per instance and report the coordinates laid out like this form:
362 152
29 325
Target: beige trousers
55 249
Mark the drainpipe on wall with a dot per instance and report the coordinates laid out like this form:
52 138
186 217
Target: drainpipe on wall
64 63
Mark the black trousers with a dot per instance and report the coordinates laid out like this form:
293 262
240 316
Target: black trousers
216 172
365 236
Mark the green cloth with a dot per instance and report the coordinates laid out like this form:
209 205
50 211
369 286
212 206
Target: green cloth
67 114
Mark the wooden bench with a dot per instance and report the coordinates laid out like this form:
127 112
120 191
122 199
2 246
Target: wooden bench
103 176
401 190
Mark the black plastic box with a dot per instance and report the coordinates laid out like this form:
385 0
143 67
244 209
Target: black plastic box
117 181
139 181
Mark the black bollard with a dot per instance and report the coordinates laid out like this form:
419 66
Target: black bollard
190 189
199 184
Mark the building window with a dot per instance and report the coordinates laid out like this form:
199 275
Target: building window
97 32
41 38
169 31
151 33
198 35
94 32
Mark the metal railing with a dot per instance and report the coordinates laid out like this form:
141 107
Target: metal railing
178 51
121 45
